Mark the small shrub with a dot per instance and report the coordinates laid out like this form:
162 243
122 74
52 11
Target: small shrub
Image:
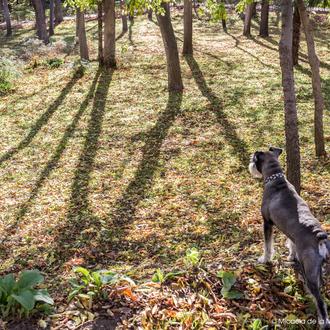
193 257
54 63
228 281
89 285
19 297
8 73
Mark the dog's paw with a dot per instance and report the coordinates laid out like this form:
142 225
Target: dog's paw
263 259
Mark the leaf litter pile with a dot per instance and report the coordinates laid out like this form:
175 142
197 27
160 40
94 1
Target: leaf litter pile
136 205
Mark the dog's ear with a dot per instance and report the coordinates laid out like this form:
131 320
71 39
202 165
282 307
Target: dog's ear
276 151
258 156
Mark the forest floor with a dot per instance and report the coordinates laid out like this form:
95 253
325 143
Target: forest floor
106 170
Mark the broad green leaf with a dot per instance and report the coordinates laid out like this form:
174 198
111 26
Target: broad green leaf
28 279
228 279
25 298
7 284
43 295
232 294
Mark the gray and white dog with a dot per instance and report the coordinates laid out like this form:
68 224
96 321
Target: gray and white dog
281 206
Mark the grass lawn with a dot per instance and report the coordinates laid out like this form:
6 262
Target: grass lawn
107 170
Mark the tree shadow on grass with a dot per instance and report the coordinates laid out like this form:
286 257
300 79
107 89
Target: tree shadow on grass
53 162
138 188
239 147
42 120
79 215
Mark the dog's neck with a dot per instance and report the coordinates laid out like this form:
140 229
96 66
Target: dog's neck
272 171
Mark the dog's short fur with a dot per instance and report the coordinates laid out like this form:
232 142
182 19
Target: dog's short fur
283 207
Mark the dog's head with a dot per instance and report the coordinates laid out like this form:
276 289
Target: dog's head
260 159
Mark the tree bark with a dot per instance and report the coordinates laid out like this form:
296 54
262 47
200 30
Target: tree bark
6 15
83 47
247 20
51 17
188 28
123 17
150 14
100 32
171 50
263 31
291 118
254 10
316 81
41 21
58 12
109 51
296 36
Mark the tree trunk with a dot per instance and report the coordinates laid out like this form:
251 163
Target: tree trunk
58 12
109 34
150 14
224 25
296 36
83 47
171 49
291 119
263 31
6 15
51 17
100 32
188 28
316 81
41 21
254 10
123 17
247 20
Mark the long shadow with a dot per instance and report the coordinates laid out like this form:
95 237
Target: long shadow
79 215
42 120
239 147
138 188
237 41
53 162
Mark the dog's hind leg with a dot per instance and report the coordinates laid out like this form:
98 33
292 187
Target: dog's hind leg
268 244
312 266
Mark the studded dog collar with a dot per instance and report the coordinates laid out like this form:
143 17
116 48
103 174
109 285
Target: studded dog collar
273 177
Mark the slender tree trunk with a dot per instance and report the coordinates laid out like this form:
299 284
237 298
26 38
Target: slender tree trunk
58 12
188 28
41 21
6 15
83 47
171 49
109 51
316 81
263 31
224 25
51 17
296 36
291 119
247 20
123 17
150 14
100 32
254 10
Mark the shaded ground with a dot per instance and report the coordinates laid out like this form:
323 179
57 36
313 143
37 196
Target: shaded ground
106 170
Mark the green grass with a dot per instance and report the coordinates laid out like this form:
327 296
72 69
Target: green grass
109 171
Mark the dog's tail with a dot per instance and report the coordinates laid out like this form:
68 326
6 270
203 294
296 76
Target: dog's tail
324 244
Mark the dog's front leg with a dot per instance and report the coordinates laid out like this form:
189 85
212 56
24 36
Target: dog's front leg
268 245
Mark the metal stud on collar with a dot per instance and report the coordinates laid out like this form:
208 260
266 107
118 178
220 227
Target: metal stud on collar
274 177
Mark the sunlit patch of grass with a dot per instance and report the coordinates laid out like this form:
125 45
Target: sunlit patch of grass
86 177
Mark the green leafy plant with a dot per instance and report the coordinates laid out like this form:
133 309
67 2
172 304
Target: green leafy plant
19 297
193 257
90 284
54 63
257 325
228 281
161 277
8 73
